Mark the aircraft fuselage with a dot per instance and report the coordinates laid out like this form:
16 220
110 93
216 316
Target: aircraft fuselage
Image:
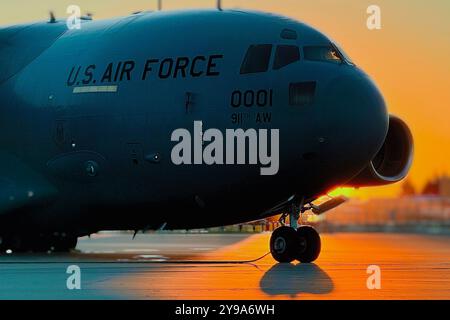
93 111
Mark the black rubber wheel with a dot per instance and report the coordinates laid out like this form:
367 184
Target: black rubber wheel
309 244
40 243
64 244
3 247
284 244
17 244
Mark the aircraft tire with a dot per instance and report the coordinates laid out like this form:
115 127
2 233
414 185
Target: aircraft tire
310 244
2 246
38 243
284 244
64 244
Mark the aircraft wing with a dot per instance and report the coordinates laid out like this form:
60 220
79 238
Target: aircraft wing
21 186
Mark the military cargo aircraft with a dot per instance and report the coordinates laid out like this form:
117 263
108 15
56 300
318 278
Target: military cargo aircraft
122 125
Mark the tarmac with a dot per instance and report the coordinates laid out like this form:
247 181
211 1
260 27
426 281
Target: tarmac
221 266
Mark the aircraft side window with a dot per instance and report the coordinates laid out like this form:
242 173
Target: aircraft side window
322 53
286 55
257 59
302 93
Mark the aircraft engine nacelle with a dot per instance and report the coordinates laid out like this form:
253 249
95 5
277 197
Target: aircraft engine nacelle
392 163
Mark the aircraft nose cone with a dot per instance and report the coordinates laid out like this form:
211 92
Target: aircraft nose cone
360 114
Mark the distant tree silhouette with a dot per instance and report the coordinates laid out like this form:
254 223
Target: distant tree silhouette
431 187
407 189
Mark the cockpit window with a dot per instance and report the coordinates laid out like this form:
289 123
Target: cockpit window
286 55
322 53
257 59
343 54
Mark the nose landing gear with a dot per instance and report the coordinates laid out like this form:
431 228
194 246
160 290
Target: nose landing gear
289 243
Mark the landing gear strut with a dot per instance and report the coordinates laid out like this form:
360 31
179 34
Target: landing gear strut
289 243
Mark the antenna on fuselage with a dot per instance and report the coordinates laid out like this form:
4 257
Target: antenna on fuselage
87 17
52 17
219 5
159 5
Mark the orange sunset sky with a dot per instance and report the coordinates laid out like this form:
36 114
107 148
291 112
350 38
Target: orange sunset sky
409 58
